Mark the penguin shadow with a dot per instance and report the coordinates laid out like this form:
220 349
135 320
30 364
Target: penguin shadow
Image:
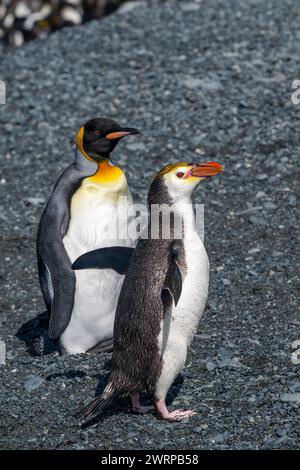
122 405
68 375
34 333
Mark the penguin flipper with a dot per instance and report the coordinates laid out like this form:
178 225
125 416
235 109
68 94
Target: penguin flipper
56 276
173 282
115 257
61 291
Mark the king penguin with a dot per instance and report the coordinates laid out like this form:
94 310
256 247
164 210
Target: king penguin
81 305
162 298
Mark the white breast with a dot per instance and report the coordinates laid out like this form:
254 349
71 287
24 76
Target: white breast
187 313
180 324
95 211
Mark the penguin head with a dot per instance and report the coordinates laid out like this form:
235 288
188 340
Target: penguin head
98 137
178 180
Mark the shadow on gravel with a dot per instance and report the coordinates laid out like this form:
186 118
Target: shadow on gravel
122 405
35 336
69 375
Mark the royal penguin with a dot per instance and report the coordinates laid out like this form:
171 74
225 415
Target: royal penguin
162 298
88 195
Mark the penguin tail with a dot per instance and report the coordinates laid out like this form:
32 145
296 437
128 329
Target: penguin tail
97 406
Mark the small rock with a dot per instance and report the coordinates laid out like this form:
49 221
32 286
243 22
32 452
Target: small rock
212 85
252 272
225 353
129 6
189 6
219 438
226 282
291 397
192 83
198 430
198 139
292 198
252 251
254 220
231 364
260 194
210 366
281 432
35 201
295 387
33 382
262 177
270 205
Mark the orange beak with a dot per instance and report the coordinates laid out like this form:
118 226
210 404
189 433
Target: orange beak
121 133
204 170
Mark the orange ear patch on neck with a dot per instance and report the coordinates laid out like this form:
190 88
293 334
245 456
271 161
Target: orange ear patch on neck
106 173
80 143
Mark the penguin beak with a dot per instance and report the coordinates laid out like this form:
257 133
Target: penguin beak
122 133
204 170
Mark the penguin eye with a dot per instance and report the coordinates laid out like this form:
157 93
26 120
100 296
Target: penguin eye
97 132
180 174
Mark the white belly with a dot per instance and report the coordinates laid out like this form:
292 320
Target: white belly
181 323
97 291
187 313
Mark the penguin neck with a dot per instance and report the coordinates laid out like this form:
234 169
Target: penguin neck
183 211
107 173
85 166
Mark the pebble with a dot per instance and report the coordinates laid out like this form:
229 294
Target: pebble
192 83
270 205
33 382
198 430
210 366
280 432
198 139
260 194
262 177
253 251
189 6
291 397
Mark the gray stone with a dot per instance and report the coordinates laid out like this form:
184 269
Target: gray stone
192 83
210 366
262 177
291 397
33 382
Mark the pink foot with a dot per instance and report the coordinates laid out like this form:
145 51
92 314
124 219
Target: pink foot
176 415
136 405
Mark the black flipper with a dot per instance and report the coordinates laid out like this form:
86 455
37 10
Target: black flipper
115 257
57 279
104 346
173 281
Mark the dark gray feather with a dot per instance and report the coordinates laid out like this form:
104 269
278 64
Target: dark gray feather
57 279
115 257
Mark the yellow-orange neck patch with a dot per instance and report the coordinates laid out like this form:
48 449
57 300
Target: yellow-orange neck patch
80 143
107 173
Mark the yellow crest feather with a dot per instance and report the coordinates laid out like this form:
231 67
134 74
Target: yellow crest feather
168 168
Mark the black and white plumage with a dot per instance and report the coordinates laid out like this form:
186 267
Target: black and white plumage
161 301
82 305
